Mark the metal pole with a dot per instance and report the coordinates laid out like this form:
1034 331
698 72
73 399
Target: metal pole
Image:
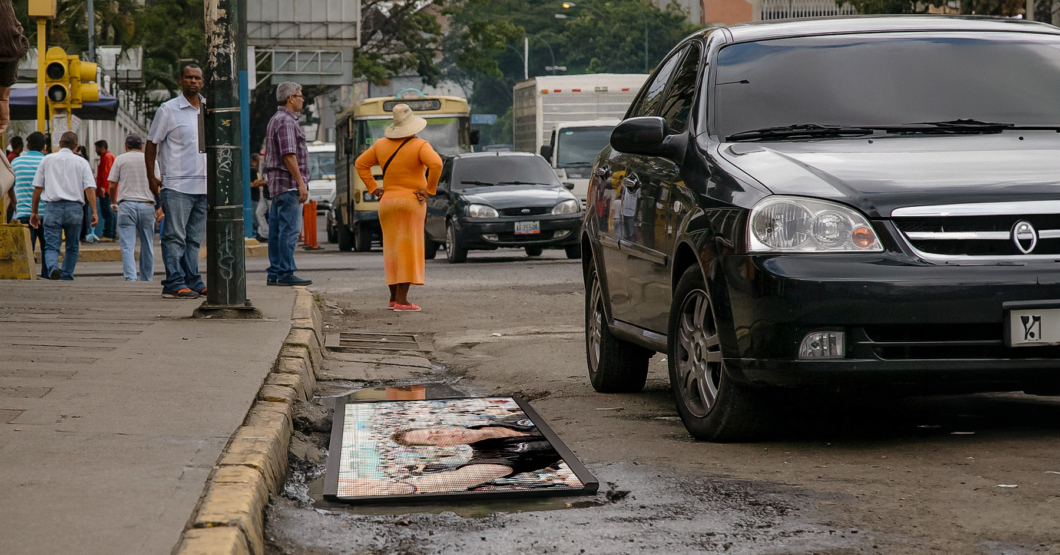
526 58
225 264
42 46
646 42
92 33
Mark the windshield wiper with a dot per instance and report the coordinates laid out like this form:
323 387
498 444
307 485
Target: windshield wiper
962 126
800 130
487 183
521 183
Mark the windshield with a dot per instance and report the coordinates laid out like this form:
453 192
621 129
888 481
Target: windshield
888 79
502 170
321 165
447 136
579 146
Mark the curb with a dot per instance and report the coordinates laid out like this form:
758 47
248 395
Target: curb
229 519
113 254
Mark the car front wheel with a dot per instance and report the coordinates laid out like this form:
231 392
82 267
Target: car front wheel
454 252
615 366
712 405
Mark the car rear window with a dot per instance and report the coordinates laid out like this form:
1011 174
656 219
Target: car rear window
498 169
888 79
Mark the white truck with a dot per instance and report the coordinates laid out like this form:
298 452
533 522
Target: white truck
568 119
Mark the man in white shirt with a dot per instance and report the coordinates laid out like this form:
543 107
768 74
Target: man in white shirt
135 207
174 140
63 181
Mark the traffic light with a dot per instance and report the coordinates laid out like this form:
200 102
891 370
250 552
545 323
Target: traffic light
57 79
83 87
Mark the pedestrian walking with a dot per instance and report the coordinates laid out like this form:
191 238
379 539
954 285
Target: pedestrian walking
63 181
135 209
25 167
259 193
411 169
286 167
174 142
103 197
16 148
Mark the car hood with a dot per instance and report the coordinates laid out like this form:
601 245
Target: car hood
516 196
893 172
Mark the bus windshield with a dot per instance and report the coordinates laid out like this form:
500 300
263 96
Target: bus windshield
448 136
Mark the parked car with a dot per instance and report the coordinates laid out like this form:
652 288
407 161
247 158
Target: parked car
322 174
491 200
837 203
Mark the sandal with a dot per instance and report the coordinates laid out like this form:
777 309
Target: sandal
406 308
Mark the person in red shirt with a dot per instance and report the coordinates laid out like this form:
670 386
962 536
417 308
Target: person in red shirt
16 148
106 211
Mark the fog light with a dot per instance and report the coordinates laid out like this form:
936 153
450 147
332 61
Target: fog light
561 234
490 237
823 344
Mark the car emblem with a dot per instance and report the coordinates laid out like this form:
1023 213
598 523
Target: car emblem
525 210
1024 236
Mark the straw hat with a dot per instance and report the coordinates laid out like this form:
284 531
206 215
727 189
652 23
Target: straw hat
406 123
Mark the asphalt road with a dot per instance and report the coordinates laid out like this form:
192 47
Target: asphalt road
954 474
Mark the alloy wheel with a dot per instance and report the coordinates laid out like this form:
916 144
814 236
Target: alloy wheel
595 323
698 354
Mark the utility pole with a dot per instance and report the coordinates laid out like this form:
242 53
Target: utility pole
226 42
91 32
526 58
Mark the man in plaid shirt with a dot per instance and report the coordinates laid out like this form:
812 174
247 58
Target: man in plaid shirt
286 169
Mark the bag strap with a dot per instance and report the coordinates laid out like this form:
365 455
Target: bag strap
391 159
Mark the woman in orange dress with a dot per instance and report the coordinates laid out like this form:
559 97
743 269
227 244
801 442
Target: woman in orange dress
405 159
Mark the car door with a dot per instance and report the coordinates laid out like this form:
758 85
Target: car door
438 204
645 217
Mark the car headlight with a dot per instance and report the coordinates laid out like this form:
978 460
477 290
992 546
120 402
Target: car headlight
567 207
795 224
481 211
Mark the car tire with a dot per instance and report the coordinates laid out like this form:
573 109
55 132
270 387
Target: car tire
574 252
533 251
615 366
430 248
362 238
344 236
712 405
454 252
332 230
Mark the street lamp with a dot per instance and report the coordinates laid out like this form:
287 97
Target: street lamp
569 5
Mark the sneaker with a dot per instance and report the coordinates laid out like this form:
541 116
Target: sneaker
184 293
392 305
54 274
270 282
294 280
406 308
202 293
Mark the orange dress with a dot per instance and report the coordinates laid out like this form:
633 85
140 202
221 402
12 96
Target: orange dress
401 214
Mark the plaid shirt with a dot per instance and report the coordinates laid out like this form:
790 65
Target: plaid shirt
284 136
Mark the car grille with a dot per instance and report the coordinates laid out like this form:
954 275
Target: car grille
984 236
942 341
537 211
513 238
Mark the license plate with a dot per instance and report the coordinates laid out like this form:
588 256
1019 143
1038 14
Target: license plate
1033 327
527 228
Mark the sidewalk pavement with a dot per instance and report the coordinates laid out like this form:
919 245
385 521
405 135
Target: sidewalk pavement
114 407
111 251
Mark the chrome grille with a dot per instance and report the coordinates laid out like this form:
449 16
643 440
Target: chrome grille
987 231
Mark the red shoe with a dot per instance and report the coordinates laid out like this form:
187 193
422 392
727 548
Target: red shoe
392 305
406 308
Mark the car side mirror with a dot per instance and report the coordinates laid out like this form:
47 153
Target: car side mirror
649 136
474 136
568 185
546 152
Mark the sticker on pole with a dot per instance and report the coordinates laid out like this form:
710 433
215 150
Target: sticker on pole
397 451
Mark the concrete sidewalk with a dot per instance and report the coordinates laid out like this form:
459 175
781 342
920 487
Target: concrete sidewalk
114 408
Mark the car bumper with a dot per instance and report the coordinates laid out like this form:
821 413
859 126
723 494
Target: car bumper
904 321
556 231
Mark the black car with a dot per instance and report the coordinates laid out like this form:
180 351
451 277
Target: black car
490 200
838 203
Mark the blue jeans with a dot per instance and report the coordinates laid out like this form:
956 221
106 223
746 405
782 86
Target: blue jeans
106 216
37 234
63 216
137 218
285 222
181 242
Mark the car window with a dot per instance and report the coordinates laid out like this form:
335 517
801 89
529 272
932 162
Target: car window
648 104
447 175
501 170
678 103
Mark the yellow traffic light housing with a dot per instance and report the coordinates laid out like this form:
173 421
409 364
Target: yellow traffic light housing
83 87
57 79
